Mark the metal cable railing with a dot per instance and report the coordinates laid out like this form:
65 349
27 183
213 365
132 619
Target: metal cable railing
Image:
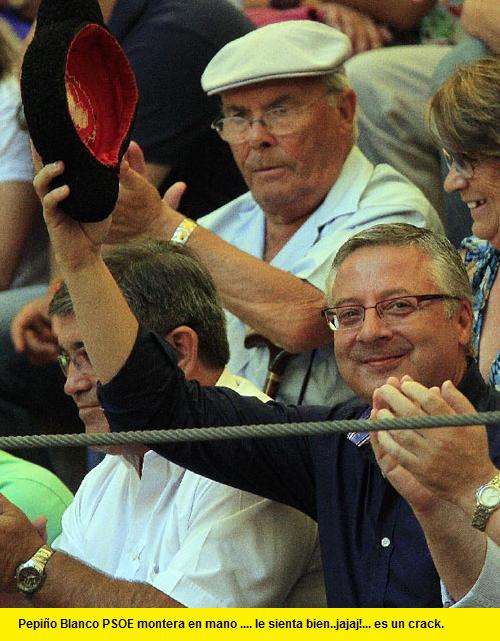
152 437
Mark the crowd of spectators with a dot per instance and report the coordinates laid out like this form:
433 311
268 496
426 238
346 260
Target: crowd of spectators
316 166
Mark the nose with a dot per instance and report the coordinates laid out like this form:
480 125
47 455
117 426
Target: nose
373 328
259 135
454 180
77 381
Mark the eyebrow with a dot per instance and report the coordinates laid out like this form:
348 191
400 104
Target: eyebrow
390 293
74 347
279 100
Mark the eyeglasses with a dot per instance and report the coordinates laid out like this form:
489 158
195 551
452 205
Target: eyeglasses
279 121
462 163
391 310
79 359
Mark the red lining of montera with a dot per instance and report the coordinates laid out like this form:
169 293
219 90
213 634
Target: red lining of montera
101 92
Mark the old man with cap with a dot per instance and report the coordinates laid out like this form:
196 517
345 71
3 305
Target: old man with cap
288 115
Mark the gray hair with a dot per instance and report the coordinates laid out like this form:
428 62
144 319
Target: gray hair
336 83
166 286
448 269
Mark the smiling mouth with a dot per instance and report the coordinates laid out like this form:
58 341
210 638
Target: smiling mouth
378 361
474 204
265 168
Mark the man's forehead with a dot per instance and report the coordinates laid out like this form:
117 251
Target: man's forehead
383 271
262 93
66 330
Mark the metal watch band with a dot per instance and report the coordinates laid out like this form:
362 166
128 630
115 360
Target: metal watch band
183 231
42 555
481 512
31 574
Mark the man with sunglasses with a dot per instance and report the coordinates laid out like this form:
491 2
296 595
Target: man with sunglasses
400 303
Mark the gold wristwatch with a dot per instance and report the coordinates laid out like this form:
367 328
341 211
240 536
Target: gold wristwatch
31 574
487 501
183 231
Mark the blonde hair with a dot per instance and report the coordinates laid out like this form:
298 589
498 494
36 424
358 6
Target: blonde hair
464 114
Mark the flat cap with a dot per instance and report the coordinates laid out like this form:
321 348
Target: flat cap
290 49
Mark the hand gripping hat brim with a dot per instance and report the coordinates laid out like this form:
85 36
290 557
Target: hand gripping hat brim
80 98
291 49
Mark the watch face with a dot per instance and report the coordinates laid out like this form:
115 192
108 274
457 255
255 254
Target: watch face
28 579
489 496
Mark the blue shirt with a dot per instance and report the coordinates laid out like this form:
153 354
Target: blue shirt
373 549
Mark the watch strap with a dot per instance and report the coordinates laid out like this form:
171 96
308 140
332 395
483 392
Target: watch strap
41 556
481 512
38 562
183 231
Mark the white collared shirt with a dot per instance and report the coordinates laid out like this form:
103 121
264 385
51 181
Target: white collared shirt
202 543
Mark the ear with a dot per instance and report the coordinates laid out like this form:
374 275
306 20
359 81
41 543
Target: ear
185 341
346 105
464 317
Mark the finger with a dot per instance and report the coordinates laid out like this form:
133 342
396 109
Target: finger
373 35
39 349
455 399
42 328
52 199
376 446
430 400
394 443
385 33
45 176
17 335
136 160
378 401
398 402
361 39
173 195
383 414
384 460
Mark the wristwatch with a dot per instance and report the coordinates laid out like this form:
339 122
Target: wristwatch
31 574
183 231
487 501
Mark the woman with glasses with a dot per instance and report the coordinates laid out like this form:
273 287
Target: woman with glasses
465 116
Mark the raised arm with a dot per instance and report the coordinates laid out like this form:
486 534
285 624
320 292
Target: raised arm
262 296
107 325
